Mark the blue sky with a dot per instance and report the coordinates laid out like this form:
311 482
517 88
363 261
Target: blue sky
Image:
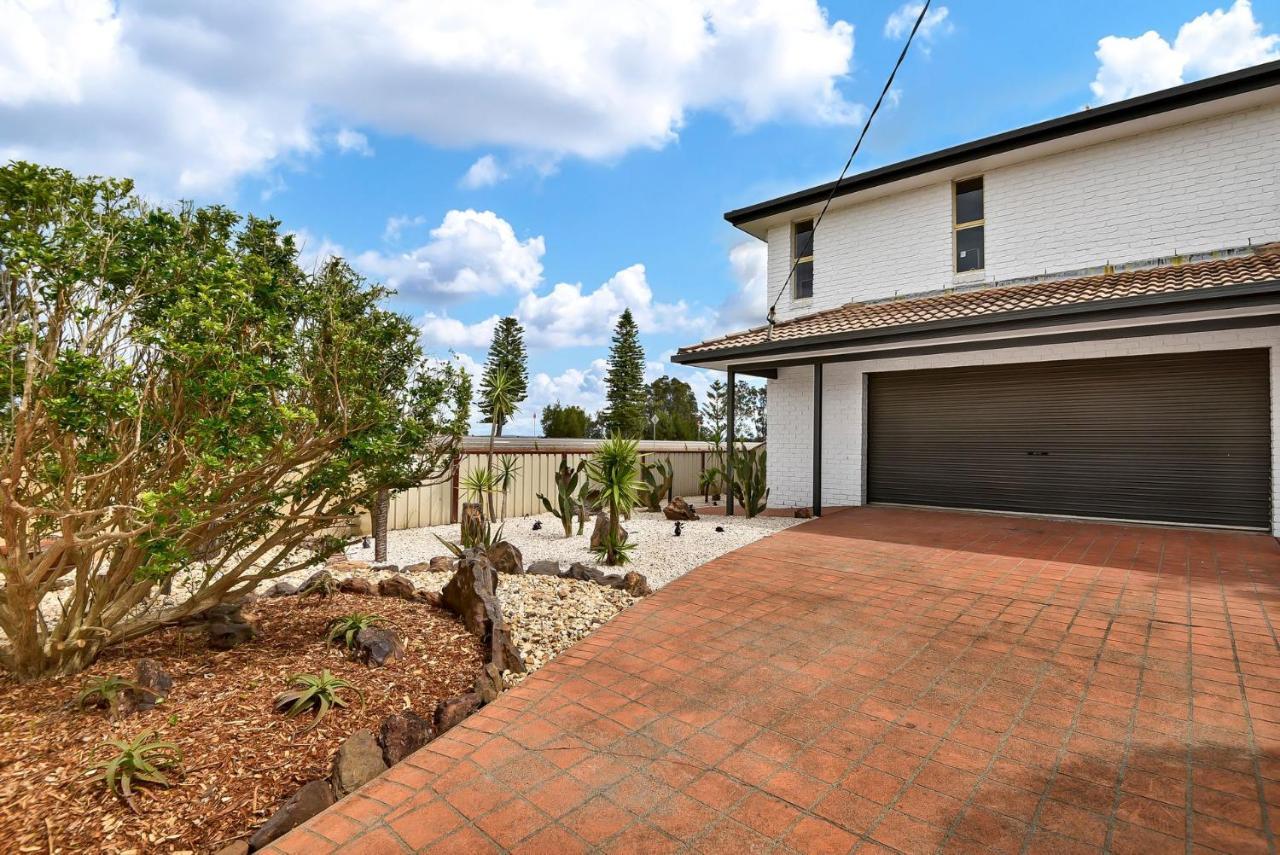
603 141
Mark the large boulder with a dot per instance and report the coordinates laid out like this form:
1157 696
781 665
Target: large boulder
396 586
506 558
377 646
679 509
401 734
601 529
451 711
308 801
358 761
472 595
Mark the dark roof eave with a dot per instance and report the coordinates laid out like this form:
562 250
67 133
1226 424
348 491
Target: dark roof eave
1187 95
1102 307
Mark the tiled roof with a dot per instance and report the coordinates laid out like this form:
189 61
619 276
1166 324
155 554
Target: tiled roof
1261 266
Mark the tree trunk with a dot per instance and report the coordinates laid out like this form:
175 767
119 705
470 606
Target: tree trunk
381 511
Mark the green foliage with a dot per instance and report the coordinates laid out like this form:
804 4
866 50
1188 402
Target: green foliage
625 392
478 484
507 357
714 410
749 420
346 627
613 470
673 410
566 507
566 422
179 396
322 586
504 477
749 485
320 694
144 758
658 477
105 691
484 538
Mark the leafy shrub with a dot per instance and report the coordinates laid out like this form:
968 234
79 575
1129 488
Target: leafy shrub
144 758
346 627
320 693
613 469
105 691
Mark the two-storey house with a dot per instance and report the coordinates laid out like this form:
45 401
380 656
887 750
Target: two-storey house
1080 317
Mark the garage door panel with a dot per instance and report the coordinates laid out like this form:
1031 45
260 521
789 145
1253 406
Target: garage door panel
1181 438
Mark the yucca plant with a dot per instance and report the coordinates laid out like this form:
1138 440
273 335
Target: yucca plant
346 627
658 476
613 469
144 758
749 485
566 508
709 481
504 478
478 486
320 693
105 691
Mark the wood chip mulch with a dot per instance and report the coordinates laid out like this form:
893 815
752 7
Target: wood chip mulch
240 758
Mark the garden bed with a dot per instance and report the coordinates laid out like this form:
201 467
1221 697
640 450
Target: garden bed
240 758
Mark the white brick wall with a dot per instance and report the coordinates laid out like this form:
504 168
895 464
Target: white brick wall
844 422
1196 187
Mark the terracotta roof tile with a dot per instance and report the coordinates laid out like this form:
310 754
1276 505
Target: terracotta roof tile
1001 299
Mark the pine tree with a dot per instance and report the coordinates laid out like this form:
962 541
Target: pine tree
626 392
713 411
506 354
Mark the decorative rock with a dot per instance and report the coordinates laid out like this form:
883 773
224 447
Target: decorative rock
600 529
583 573
544 568
356 585
308 801
319 583
358 761
679 509
153 685
396 586
442 564
506 558
471 595
804 513
431 598
504 653
385 568
224 635
401 734
377 646
489 683
420 567
282 589
635 584
235 847
450 711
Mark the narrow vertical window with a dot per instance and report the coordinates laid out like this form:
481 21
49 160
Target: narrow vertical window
802 253
968 225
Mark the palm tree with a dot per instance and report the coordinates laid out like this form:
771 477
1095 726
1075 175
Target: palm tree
500 397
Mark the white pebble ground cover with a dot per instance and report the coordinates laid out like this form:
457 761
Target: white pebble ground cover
659 555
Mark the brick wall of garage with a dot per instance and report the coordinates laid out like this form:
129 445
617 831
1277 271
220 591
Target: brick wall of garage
790 413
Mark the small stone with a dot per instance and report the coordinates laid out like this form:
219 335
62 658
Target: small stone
401 734
679 509
420 567
442 564
396 586
489 683
358 761
431 598
282 589
583 572
356 585
506 558
385 568
804 513
308 801
635 584
544 568
377 646
224 635
451 711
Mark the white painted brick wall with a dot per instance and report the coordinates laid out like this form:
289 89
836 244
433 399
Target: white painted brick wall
844 424
1196 187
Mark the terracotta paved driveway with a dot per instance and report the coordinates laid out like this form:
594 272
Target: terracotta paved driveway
883 680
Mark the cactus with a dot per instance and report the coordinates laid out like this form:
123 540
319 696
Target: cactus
749 486
566 507
654 490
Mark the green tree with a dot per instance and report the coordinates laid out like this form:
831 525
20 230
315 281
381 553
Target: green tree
625 390
673 410
181 401
749 412
713 411
565 421
507 355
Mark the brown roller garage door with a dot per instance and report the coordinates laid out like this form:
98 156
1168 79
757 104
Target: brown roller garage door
1180 438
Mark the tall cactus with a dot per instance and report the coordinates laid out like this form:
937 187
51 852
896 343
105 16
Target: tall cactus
658 477
566 507
749 485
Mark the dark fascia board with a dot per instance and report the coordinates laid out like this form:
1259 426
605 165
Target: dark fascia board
1176 302
1187 95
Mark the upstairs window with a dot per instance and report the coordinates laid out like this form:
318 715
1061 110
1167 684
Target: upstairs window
968 225
802 256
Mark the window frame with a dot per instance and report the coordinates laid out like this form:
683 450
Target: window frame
796 261
957 227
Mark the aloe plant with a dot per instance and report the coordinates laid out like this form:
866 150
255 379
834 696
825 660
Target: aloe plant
320 693
749 484
347 627
144 758
566 507
100 691
658 476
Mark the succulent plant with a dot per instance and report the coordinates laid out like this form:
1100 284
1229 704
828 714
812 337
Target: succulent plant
566 507
144 758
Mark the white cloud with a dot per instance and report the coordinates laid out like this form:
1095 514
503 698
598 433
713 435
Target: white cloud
748 304
1213 43
314 251
443 331
192 97
353 142
469 253
934 25
395 227
485 172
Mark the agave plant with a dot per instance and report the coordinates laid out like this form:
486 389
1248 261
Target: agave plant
566 508
144 758
749 485
105 691
658 477
320 693
613 469
346 627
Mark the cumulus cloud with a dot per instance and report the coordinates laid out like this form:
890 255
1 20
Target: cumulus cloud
748 305
444 331
1213 43
934 25
395 227
192 97
353 142
470 253
485 172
